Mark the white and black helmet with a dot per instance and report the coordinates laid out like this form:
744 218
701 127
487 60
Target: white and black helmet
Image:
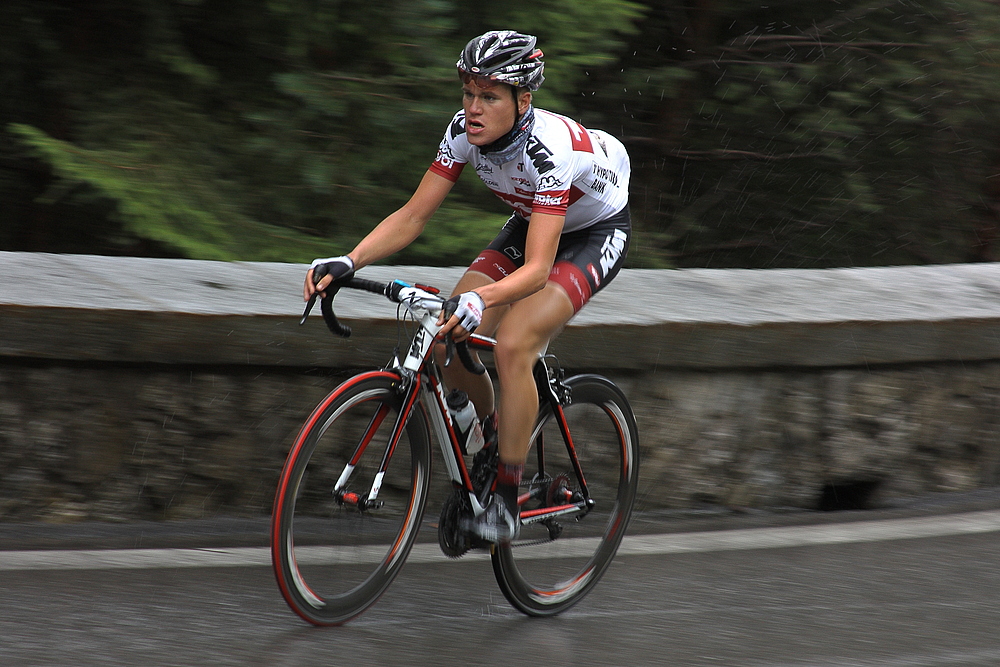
503 55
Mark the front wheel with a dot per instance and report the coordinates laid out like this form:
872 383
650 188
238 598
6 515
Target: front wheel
336 548
557 561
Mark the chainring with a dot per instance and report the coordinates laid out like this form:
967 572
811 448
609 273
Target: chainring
454 541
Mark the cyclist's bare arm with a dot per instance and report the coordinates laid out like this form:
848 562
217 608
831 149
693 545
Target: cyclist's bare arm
539 254
396 231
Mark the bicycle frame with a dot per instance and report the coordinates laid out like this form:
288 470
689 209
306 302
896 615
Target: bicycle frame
351 574
424 389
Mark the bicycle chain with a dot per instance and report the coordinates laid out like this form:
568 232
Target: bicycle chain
528 486
530 543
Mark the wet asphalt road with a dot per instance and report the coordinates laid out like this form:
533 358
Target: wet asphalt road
900 602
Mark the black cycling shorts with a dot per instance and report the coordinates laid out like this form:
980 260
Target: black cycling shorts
586 261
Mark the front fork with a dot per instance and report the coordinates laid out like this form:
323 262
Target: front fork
409 385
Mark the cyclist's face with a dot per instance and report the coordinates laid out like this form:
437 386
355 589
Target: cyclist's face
490 112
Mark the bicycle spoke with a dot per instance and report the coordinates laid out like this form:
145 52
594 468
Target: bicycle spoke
336 548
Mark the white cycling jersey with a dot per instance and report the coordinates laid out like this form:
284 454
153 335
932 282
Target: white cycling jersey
564 169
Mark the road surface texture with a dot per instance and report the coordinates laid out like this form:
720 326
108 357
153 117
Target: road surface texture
906 586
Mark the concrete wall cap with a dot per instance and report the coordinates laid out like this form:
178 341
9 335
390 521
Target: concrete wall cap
637 297
172 311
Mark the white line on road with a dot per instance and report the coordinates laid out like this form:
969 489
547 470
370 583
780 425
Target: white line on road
639 545
799 536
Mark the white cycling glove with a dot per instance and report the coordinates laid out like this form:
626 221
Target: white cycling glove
470 309
338 267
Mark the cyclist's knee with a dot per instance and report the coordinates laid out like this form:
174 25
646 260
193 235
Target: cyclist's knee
471 280
516 350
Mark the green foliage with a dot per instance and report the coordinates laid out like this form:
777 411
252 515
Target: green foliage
168 201
240 130
796 133
459 233
809 133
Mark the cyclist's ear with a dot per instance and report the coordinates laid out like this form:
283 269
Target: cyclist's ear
523 98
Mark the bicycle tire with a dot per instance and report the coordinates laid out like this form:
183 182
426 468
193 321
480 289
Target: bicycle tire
541 574
331 559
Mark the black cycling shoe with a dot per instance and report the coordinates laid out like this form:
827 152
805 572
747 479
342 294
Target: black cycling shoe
497 524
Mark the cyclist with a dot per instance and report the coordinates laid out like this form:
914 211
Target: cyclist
567 239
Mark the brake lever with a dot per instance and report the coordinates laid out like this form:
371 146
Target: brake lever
449 346
326 304
448 309
318 274
471 365
309 307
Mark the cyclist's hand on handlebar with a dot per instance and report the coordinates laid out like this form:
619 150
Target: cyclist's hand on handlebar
323 272
461 315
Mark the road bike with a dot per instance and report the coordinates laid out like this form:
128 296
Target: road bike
351 496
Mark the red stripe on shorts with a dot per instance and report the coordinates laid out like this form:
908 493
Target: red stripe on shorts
493 263
574 281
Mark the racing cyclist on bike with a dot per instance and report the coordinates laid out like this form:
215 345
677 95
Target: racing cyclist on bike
567 239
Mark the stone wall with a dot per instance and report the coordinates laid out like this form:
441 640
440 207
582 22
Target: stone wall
823 438
151 442
177 397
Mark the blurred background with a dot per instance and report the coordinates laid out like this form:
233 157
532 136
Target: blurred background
797 133
148 403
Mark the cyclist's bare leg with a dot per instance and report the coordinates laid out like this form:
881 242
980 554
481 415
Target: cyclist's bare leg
522 334
478 387
521 337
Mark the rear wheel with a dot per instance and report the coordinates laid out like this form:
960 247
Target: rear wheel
334 551
556 562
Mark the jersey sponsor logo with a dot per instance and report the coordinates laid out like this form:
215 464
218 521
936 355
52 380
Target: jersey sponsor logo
522 181
484 168
512 198
611 251
513 252
445 157
549 183
457 126
557 199
489 182
522 191
605 173
539 155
